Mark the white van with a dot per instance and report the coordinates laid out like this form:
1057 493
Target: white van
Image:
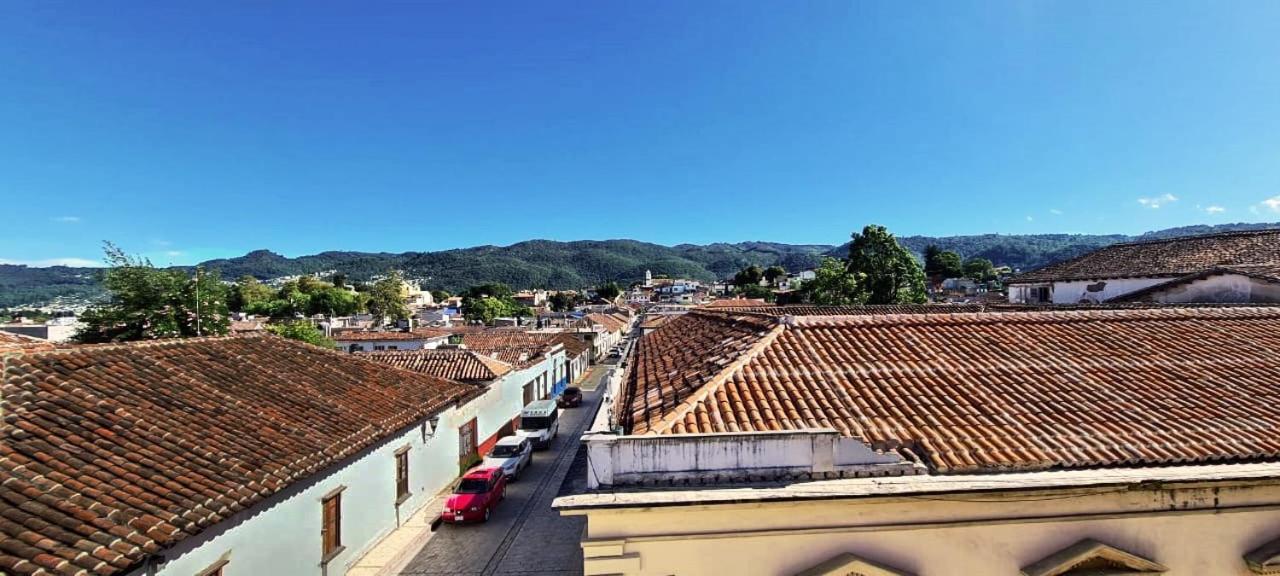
539 422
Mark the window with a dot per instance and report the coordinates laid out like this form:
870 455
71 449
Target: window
392 347
467 443
378 347
402 475
331 533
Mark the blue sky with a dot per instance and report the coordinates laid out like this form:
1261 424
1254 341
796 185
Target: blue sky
186 133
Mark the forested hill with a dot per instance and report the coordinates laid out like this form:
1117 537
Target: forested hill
549 264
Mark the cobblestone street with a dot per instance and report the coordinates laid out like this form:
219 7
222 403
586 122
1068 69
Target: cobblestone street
525 535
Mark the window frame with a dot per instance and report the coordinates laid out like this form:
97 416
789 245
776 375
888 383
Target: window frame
331 528
402 475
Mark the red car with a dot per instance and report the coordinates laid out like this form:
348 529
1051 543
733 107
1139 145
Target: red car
475 496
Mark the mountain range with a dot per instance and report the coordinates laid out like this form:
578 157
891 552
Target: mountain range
579 264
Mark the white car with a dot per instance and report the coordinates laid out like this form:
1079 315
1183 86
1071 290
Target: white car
512 454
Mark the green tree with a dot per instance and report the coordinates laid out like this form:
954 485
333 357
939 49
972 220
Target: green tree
485 309
249 295
333 301
979 269
756 291
564 301
608 290
148 303
440 295
941 264
834 285
301 330
773 273
386 300
751 275
886 270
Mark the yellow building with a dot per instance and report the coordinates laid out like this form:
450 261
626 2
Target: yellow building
902 441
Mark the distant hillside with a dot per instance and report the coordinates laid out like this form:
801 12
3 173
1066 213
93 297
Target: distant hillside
549 264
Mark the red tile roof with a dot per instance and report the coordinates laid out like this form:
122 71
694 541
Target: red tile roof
978 392
14 342
1169 257
610 323
516 347
817 310
451 364
111 453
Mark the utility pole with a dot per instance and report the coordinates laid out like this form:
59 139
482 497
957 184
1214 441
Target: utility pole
198 333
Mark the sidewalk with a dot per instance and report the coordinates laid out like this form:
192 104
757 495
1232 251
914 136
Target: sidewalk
391 554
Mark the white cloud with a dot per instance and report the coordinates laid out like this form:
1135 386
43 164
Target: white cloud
173 253
1272 203
66 219
1214 209
1030 219
76 262
1154 202
1055 211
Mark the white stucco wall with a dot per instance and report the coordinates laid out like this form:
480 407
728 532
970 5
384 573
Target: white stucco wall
282 534
371 345
1222 288
1077 291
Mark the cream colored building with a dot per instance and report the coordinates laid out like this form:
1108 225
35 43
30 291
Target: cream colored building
870 442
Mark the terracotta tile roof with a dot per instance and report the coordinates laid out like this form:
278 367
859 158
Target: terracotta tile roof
978 392
240 326
110 453
1265 272
655 321
388 335
815 310
736 303
1164 258
14 342
610 323
451 364
516 347
573 346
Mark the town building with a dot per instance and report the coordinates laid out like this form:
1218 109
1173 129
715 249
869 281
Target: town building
58 329
1228 267
1073 442
380 340
229 455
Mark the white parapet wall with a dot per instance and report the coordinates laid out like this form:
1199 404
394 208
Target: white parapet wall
755 456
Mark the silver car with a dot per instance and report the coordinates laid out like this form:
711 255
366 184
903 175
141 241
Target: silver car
512 454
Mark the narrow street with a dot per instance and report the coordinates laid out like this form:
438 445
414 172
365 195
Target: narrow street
524 535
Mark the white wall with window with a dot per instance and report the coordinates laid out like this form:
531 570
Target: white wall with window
285 534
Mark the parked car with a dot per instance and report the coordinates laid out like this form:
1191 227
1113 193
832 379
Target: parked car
570 398
475 496
539 422
512 454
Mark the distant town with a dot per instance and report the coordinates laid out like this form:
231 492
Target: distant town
879 391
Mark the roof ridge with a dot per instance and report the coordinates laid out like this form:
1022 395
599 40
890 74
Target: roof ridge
692 401
158 342
1273 230
1145 313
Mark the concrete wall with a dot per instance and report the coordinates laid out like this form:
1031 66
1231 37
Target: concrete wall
1078 291
1201 530
1222 288
371 345
652 459
282 534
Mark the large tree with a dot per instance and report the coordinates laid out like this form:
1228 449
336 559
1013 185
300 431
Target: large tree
302 330
773 273
833 284
564 301
979 269
251 296
886 269
941 264
147 303
386 300
608 290
751 275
